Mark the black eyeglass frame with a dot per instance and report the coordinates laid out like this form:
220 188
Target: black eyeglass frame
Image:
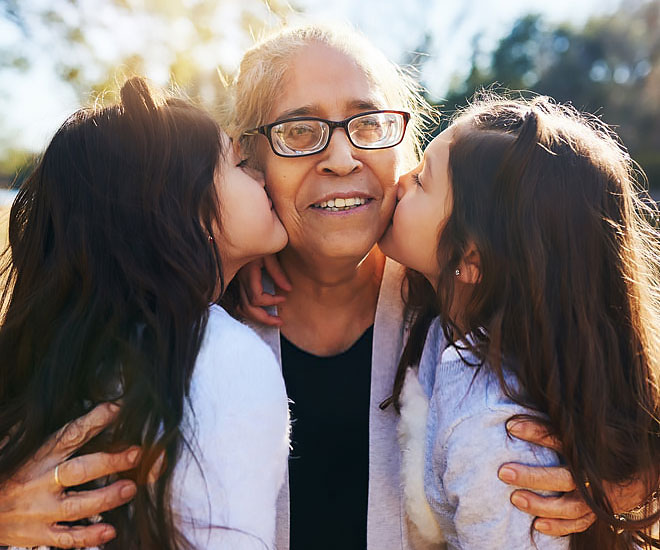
266 130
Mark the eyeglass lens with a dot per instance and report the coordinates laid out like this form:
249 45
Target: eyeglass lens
374 130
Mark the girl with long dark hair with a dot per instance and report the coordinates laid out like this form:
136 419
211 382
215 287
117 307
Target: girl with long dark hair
132 224
535 294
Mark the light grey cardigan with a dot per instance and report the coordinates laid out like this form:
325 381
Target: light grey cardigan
387 526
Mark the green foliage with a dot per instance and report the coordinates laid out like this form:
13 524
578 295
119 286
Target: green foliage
610 67
88 45
15 165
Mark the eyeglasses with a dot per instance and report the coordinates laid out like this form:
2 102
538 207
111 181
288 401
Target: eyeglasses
302 136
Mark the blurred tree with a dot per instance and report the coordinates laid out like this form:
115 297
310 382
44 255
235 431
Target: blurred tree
93 43
610 67
88 40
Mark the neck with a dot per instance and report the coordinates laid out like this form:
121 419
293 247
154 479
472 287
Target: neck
333 301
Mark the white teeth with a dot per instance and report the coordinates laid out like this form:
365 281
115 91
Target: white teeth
335 205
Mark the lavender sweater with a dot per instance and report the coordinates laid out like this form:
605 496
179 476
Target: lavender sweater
463 444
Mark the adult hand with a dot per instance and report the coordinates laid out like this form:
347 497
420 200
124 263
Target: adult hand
252 294
35 499
560 515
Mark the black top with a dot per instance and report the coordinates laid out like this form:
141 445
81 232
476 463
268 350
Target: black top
329 464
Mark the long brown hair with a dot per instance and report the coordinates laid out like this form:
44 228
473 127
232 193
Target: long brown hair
110 275
568 292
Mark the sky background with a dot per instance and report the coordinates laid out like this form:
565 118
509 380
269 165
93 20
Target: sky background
34 103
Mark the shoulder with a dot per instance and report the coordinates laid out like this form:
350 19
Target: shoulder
431 355
225 332
236 365
228 340
470 386
469 411
469 446
237 436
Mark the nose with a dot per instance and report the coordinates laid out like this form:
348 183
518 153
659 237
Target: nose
338 159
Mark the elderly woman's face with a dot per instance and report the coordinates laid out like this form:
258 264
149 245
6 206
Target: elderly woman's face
361 184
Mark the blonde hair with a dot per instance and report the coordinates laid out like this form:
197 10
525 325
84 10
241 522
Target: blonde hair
263 68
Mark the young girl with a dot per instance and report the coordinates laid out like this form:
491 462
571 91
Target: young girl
542 302
132 224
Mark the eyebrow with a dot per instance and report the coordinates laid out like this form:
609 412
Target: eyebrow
364 104
299 111
313 109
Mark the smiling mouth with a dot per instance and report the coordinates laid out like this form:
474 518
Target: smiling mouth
341 205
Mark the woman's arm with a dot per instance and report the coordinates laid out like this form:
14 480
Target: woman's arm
567 513
34 500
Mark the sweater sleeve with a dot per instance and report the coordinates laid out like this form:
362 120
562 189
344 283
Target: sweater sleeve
228 480
483 516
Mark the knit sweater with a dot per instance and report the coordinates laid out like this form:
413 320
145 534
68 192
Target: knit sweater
225 490
453 438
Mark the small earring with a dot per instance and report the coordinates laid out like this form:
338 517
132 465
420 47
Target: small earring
457 272
210 238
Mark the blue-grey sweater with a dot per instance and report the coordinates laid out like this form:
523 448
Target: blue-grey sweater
465 444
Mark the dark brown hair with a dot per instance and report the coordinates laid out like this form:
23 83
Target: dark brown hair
110 274
568 291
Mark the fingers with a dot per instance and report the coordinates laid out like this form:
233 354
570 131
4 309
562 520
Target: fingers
85 504
62 536
252 279
260 316
256 313
254 288
534 433
567 506
562 527
276 272
76 433
537 478
267 300
82 469
252 295
557 516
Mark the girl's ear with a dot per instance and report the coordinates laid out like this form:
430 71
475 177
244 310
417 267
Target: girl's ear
469 270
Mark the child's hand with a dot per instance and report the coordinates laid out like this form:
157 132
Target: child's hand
557 516
253 297
35 499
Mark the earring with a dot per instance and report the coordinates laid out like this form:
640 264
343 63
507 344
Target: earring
210 238
457 272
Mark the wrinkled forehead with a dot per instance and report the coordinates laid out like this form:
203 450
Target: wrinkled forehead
322 81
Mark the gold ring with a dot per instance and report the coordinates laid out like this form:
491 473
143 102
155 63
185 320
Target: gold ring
57 477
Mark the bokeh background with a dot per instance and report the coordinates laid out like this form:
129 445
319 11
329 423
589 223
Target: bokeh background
601 55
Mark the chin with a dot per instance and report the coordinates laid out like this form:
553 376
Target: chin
341 248
276 247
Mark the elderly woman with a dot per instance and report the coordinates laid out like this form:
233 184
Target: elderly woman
323 115
332 124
